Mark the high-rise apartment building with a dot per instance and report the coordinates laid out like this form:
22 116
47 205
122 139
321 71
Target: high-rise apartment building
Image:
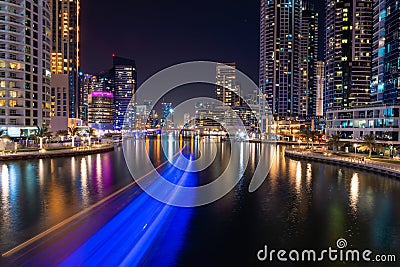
385 84
100 112
100 100
320 88
65 56
308 56
227 90
125 79
59 95
85 88
24 66
279 78
348 53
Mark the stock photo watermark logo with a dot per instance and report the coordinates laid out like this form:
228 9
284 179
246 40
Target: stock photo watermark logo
155 89
340 253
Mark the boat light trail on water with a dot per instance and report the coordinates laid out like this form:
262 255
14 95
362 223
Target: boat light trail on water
127 238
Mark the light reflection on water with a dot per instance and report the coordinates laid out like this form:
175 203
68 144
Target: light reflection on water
37 194
300 204
354 192
5 193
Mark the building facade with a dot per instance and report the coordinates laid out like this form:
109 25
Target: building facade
227 91
101 109
320 88
353 124
385 84
59 95
86 84
65 56
24 66
124 86
279 70
308 57
348 53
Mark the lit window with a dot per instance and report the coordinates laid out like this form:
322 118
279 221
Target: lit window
12 103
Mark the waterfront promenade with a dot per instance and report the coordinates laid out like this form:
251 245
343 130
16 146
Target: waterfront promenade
67 152
390 169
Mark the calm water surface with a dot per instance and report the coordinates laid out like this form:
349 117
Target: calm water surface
301 205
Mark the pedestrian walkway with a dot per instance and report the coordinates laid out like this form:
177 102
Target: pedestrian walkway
366 164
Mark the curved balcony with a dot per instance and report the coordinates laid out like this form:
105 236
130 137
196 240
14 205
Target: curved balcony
14 32
4 11
18 51
13 3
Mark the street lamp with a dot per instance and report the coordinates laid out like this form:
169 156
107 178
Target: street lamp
391 150
355 150
299 141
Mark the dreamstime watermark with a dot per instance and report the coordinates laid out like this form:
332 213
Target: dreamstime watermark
155 89
340 253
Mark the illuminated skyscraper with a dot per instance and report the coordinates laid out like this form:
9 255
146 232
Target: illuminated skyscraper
308 56
385 84
320 88
227 90
279 29
65 56
348 52
125 76
85 88
100 100
24 66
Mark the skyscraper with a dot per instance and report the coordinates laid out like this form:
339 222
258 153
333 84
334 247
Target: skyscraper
320 88
100 100
125 76
279 29
65 56
348 51
24 66
85 88
385 84
227 90
308 56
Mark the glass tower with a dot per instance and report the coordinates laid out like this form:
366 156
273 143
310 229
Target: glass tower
124 87
385 83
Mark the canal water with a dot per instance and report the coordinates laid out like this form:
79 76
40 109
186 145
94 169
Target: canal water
301 205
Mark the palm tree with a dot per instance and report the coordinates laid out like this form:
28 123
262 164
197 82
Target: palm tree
370 143
42 132
73 132
335 141
91 133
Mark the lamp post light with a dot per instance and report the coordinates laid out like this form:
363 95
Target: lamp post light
299 141
355 150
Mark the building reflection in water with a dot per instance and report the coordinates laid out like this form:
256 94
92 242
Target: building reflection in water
73 170
298 178
41 172
84 182
5 194
309 176
99 177
354 192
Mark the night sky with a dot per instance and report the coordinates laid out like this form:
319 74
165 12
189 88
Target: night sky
159 33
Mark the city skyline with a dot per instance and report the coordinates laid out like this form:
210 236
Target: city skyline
100 40
267 127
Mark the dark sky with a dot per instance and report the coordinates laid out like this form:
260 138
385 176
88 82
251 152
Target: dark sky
160 33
